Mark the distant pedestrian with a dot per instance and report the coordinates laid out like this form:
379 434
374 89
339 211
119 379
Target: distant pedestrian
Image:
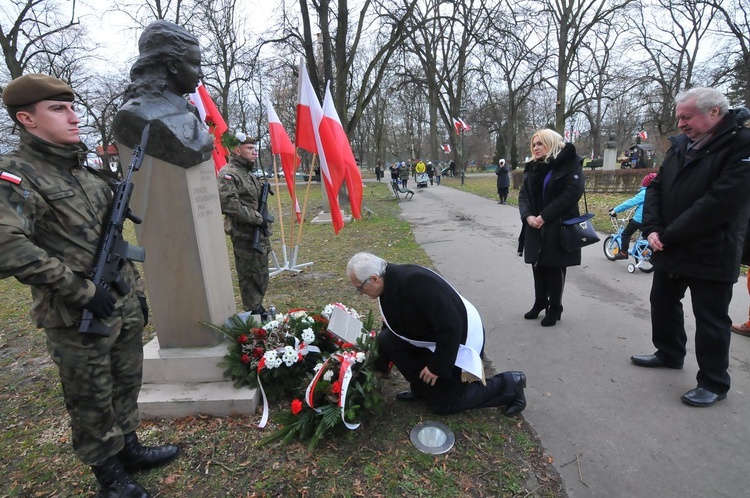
503 181
430 172
403 174
438 173
452 168
378 171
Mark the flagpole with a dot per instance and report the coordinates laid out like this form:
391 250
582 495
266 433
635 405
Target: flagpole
281 215
304 207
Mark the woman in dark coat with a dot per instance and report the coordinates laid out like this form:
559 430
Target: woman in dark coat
552 185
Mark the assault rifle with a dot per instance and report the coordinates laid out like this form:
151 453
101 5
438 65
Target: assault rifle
114 251
263 210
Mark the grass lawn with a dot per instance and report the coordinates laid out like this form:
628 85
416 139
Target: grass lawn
493 456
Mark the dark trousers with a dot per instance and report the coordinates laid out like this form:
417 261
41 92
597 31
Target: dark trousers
627 233
549 283
449 394
712 325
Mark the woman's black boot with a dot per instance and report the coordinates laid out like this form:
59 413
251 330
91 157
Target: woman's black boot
552 316
538 307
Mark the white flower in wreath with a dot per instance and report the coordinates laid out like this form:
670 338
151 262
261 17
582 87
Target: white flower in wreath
360 357
272 326
290 356
308 319
298 314
272 359
308 336
318 367
279 317
327 311
328 376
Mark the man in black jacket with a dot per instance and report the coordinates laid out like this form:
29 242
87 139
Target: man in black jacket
695 217
434 337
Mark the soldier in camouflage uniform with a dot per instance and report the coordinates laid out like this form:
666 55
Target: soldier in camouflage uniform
52 211
239 193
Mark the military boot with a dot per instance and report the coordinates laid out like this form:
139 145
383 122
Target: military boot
115 483
135 456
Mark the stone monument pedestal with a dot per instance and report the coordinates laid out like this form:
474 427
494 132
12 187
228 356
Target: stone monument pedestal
610 159
188 381
189 284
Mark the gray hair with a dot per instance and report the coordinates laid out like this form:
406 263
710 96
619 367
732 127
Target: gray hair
705 99
363 265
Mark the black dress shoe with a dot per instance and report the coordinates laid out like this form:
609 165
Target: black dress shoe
519 403
406 396
701 397
653 361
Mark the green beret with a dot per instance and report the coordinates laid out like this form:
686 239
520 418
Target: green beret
31 88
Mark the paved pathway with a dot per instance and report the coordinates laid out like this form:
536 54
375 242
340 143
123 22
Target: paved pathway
613 429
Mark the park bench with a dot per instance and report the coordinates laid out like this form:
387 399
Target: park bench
595 163
398 190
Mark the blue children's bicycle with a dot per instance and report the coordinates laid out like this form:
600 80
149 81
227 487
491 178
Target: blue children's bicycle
640 250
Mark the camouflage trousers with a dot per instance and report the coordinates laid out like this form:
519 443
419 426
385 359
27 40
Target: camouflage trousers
101 379
252 271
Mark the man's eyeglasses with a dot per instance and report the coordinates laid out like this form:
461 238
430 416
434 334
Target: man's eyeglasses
360 287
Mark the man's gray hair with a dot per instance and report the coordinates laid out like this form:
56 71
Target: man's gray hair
705 99
363 265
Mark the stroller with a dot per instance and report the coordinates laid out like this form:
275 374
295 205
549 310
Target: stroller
422 179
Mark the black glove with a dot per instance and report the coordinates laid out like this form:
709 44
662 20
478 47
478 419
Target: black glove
102 305
144 309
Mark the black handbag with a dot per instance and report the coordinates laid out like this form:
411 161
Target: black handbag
578 232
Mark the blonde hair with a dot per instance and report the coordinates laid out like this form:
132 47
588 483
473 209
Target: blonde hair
551 139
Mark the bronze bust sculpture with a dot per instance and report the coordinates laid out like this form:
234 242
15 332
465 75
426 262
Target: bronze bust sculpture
168 67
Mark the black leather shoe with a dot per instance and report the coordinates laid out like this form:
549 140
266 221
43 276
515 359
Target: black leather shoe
136 457
519 403
114 482
406 396
653 361
702 397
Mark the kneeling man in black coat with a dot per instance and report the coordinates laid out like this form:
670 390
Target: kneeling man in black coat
434 337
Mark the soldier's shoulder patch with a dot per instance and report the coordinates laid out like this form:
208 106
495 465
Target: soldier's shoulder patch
229 177
10 177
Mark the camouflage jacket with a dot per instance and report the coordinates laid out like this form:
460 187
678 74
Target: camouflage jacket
51 214
239 194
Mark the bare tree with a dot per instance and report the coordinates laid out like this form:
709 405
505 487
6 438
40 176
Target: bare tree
672 49
735 15
573 21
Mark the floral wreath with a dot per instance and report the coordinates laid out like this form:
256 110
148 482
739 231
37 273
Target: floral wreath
294 356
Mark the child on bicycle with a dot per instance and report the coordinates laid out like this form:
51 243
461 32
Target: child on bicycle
635 222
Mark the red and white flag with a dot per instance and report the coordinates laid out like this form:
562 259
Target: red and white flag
211 116
331 165
304 132
280 144
460 125
353 176
447 148
643 135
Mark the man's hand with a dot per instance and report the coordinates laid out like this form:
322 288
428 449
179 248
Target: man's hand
654 242
102 305
427 376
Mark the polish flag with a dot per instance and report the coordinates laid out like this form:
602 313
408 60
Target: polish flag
304 132
352 176
447 148
643 135
460 125
280 144
331 165
210 115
